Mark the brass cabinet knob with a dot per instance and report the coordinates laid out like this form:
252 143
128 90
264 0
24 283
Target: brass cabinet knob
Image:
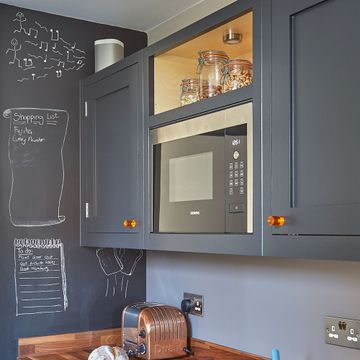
275 220
130 223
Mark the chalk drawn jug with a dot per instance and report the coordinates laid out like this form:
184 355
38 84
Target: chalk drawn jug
35 150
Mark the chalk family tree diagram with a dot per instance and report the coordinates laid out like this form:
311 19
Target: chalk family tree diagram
118 266
38 52
35 151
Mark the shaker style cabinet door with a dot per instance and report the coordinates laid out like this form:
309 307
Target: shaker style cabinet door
111 168
315 120
315 116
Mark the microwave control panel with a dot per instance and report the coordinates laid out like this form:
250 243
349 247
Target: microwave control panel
236 179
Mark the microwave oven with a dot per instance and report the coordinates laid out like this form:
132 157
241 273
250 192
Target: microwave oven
202 173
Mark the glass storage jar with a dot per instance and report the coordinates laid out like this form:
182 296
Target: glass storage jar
189 91
210 64
237 73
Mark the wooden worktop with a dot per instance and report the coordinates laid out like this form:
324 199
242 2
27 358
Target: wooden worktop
78 346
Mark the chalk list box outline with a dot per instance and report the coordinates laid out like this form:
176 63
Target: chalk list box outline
31 122
40 276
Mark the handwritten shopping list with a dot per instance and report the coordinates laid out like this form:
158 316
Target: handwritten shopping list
40 277
35 151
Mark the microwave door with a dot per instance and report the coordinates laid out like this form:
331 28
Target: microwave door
189 184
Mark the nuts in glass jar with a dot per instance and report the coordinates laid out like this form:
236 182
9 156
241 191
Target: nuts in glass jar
189 91
237 73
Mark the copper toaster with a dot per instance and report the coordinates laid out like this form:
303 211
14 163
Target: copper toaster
154 331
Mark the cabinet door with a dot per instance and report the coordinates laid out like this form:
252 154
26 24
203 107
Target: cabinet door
110 156
315 117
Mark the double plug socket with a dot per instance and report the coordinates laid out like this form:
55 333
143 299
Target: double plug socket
342 332
193 304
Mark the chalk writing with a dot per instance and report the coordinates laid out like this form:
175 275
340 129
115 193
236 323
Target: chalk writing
40 276
35 151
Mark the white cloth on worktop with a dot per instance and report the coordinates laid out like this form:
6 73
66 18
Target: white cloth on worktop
106 352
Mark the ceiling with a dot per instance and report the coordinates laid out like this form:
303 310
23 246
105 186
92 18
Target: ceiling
143 15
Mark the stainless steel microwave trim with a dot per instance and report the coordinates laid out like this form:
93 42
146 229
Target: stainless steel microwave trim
237 115
222 119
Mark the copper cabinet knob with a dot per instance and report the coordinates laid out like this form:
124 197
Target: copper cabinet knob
275 220
130 223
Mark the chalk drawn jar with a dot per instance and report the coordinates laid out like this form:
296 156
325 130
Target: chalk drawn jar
210 64
237 73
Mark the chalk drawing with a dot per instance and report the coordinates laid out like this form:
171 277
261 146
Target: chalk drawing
44 45
71 68
29 68
82 65
24 48
41 27
65 42
20 17
34 56
35 152
56 36
32 43
118 263
57 52
40 276
68 57
35 31
28 62
14 42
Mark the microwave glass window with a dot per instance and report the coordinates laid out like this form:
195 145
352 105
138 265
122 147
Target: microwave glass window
191 177
202 173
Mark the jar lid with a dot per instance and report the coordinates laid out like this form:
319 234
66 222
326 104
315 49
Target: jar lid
211 55
239 63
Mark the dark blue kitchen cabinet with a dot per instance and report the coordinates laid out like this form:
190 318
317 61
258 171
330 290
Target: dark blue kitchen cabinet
311 129
111 156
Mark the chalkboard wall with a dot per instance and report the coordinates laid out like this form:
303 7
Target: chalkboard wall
48 283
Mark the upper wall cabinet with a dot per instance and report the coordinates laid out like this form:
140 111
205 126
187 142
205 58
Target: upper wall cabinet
315 127
111 156
202 135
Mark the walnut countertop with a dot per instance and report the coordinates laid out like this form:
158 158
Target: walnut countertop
78 346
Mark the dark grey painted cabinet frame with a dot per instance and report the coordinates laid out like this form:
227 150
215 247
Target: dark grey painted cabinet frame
249 244
112 155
